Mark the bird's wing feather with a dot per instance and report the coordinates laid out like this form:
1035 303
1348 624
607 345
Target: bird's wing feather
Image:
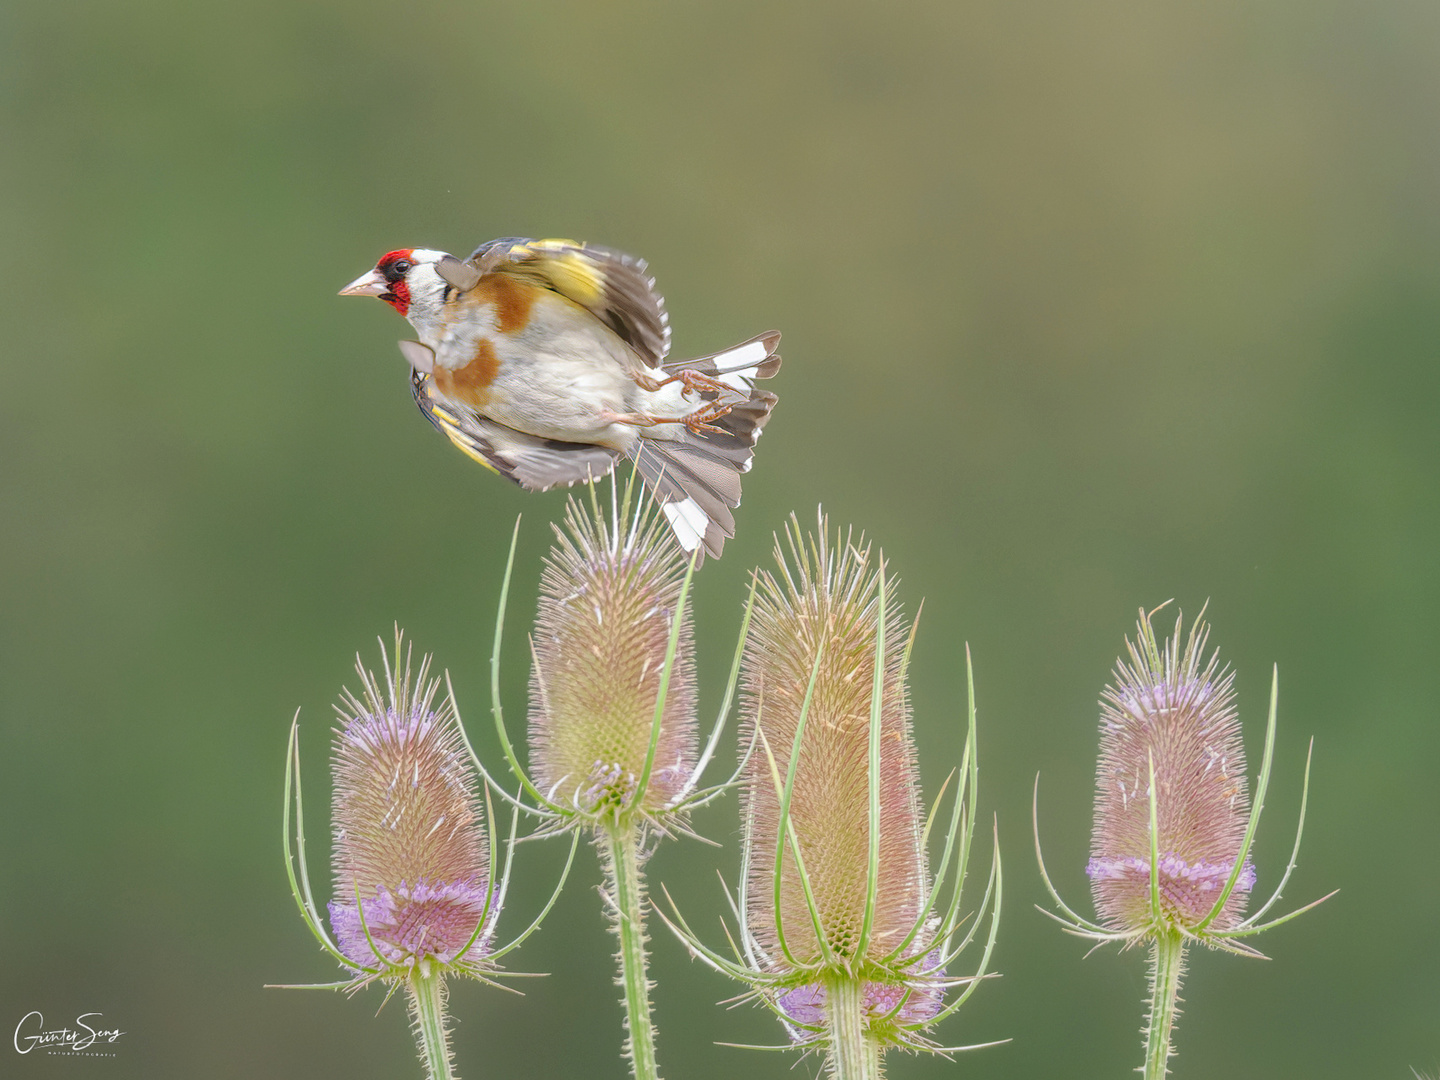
534 463
617 288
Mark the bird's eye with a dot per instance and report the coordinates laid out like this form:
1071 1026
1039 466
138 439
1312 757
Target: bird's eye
397 270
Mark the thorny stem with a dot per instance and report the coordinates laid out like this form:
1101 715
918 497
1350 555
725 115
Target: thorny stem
1167 968
619 842
427 1009
854 1055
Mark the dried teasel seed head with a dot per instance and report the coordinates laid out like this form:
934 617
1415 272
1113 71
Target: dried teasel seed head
1169 707
608 597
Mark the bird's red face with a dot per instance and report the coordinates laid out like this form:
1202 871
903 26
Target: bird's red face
388 280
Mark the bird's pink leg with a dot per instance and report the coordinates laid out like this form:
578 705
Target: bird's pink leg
698 422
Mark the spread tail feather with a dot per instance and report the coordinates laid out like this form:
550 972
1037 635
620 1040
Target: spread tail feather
740 365
696 478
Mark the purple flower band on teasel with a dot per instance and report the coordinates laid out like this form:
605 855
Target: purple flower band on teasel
412 923
1203 876
805 1005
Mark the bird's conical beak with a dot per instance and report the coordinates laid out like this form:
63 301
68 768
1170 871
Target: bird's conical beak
371 284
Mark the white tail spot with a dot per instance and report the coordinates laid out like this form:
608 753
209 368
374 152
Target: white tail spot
742 380
747 355
688 521
736 367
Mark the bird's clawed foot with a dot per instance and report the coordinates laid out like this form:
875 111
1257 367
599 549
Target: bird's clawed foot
699 421
694 382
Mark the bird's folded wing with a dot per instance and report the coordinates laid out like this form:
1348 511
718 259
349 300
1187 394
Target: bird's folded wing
615 287
534 463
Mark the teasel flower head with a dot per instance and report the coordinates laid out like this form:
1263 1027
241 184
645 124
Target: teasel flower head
410 854
1170 852
417 894
612 730
822 620
1174 711
843 932
612 700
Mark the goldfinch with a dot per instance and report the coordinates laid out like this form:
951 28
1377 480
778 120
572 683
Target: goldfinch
545 361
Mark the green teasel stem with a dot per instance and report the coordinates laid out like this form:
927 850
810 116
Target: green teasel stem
620 842
427 1007
854 1055
1167 968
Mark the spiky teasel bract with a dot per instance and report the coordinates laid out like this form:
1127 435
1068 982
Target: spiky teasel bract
842 931
1170 851
612 712
416 891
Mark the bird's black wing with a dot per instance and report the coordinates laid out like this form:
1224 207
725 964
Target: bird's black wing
614 286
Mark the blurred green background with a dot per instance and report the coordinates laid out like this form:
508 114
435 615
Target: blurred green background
1086 306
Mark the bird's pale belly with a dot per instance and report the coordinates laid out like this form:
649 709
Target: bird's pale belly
560 377
560 395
